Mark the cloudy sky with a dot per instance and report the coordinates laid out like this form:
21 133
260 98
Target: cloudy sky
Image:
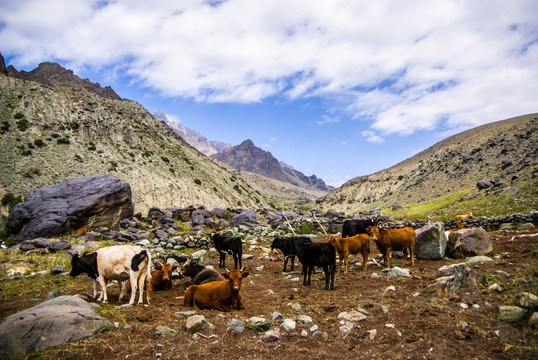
337 89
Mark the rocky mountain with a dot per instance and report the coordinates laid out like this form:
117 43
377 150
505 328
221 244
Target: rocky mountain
248 157
493 165
192 137
55 75
60 128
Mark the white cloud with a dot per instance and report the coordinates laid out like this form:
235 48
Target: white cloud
327 120
372 137
405 66
173 118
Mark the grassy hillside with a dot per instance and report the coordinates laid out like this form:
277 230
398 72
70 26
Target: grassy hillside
442 180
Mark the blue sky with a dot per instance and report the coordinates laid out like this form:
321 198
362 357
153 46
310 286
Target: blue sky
337 89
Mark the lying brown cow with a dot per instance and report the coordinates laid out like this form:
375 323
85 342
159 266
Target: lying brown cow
387 240
223 295
466 216
161 279
351 245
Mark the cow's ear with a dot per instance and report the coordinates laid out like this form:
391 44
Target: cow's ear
244 273
158 266
368 230
194 262
174 266
225 274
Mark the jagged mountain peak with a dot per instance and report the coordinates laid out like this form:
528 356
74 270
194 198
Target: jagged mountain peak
54 74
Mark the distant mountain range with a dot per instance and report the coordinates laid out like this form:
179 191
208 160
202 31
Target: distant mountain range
246 157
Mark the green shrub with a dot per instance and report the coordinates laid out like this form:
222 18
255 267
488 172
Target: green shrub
54 135
198 181
22 125
18 116
39 143
63 141
4 127
11 200
165 159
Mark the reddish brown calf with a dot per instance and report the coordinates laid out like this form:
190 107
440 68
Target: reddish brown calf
223 295
351 245
387 240
161 279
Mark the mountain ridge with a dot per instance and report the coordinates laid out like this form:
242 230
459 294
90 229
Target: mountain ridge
502 153
252 158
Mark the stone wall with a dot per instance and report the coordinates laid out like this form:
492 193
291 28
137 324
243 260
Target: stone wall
492 223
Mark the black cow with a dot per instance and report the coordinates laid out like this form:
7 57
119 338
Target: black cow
317 254
288 248
199 274
356 226
228 244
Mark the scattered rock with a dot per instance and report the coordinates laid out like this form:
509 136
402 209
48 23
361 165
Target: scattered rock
527 300
198 323
510 314
52 323
352 316
288 325
430 242
237 326
469 242
57 269
271 336
478 259
164 331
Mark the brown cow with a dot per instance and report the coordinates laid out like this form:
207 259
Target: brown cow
161 279
351 245
223 295
387 240
466 216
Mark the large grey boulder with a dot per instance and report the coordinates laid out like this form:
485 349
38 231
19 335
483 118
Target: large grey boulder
52 323
469 242
430 242
247 217
91 201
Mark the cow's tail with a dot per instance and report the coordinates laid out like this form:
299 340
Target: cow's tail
139 259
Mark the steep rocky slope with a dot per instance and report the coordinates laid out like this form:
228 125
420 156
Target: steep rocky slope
192 137
502 153
248 157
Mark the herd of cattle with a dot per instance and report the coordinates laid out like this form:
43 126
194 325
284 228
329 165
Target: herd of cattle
131 265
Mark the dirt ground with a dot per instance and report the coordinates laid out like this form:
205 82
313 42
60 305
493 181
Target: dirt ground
415 326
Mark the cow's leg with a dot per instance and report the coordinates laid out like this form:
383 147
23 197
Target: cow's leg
404 256
134 286
286 262
292 261
122 288
332 270
236 260
412 251
339 263
240 305
364 259
95 283
304 274
387 258
141 286
327 275
102 284
310 269
346 260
